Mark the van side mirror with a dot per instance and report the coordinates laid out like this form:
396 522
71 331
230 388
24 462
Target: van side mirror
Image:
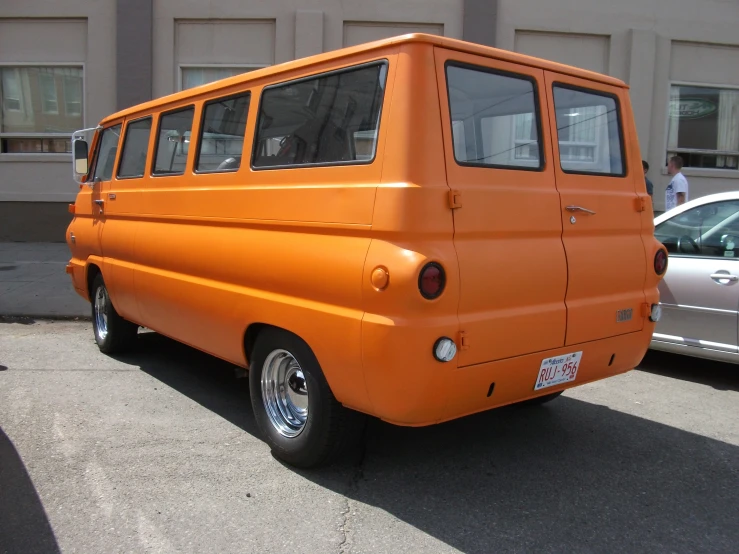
80 162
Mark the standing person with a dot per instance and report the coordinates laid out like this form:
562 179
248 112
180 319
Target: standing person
650 186
677 191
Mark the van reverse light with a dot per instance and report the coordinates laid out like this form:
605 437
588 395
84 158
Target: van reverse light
660 262
431 281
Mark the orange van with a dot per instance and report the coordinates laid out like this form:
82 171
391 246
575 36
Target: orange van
416 229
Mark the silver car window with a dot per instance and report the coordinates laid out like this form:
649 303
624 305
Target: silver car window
710 230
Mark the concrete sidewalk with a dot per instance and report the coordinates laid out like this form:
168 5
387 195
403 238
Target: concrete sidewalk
33 282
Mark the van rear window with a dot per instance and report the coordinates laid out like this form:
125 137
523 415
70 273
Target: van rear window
589 133
325 120
495 120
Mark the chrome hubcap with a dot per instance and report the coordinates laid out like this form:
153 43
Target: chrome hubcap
285 393
101 312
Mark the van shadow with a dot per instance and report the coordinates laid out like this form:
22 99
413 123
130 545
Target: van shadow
567 477
24 526
719 375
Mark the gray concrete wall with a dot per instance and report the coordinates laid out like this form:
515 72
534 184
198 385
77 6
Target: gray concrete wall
132 50
649 45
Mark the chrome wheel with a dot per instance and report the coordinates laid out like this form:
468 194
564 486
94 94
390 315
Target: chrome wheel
285 393
101 312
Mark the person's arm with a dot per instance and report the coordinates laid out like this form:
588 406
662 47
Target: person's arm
681 189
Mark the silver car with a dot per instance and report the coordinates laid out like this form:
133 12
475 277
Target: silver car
700 292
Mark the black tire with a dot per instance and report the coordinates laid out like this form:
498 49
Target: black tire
121 334
329 427
539 400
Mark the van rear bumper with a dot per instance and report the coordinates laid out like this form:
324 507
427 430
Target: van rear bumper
436 392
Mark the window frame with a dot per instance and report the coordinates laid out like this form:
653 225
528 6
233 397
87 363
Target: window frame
679 151
44 156
43 79
537 106
160 117
201 130
180 67
380 62
123 148
619 120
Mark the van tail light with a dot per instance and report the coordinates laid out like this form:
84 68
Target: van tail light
431 280
660 262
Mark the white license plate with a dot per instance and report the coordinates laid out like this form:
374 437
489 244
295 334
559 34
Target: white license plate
558 370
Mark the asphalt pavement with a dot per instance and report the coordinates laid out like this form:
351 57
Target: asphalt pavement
33 281
157 451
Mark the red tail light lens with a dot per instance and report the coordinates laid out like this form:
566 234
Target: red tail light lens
431 281
660 262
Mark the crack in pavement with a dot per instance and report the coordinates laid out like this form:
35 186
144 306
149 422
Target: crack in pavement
345 546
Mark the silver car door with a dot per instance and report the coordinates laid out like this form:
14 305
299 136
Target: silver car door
700 291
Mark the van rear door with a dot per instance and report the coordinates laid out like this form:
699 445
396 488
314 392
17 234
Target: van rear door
601 219
507 232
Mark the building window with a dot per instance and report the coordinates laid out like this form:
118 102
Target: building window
196 76
47 84
73 95
704 126
40 108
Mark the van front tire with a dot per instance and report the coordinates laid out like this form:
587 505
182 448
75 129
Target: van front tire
113 334
296 411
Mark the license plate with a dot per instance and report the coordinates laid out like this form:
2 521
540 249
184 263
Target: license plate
558 370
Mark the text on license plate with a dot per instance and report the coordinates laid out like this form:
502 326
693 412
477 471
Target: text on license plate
558 370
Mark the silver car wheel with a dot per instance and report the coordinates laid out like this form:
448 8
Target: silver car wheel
285 393
101 315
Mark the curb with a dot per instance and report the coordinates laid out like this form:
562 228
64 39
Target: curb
28 319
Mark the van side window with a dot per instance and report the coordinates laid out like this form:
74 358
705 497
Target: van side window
495 119
135 148
588 129
330 119
222 134
173 142
106 153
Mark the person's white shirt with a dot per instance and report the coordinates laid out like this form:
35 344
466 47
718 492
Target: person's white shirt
678 184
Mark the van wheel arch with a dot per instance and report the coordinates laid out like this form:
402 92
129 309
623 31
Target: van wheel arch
92 271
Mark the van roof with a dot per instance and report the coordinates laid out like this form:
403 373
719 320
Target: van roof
444 42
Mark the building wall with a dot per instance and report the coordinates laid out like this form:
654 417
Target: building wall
131 50
647 44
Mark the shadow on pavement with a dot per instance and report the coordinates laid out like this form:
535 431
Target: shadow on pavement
719 375
24 526
20 320
567 477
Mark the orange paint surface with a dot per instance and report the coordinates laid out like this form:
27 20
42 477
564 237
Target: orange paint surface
204 257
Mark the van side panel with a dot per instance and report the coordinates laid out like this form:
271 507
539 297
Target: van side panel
412 225
217 252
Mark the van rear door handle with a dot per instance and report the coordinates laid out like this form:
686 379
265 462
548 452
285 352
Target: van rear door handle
724 277
579 209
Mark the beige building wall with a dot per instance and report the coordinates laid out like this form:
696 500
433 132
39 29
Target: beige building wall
255 33
38 32
648 45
